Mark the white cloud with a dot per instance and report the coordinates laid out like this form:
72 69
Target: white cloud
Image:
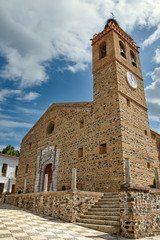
5 116
29 96
29 111
5 93
2 146
13 124
9 136
153 96
33 33
156 58
152 38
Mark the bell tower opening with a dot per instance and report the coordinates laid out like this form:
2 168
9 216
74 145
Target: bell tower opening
102 50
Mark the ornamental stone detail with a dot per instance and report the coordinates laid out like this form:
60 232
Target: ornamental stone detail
48 156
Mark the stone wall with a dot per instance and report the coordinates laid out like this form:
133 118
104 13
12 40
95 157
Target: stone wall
139 207
95 171
65 205
140 212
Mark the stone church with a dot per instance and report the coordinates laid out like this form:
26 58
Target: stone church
102 139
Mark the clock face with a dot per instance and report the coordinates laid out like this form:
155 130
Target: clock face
131 80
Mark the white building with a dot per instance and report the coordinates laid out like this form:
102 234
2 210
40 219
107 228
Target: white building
8 173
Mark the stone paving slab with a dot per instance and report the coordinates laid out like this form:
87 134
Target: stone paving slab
20 224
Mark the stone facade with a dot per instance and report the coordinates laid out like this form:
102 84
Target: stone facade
140 212
96 137
47 156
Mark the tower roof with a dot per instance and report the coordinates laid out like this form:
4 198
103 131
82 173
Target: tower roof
112 24
111 20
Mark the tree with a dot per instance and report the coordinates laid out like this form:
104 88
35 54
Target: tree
10 151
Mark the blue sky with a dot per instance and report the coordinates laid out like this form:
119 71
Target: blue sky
45 56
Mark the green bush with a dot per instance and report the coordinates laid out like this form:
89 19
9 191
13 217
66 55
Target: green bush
63 188
19 192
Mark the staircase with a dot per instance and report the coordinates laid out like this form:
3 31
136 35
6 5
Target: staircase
104 215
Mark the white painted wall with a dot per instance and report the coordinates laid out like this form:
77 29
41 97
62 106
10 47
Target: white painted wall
12 162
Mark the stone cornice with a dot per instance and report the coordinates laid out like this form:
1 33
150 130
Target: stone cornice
119 31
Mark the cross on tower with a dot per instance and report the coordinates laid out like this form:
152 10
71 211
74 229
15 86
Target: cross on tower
113 16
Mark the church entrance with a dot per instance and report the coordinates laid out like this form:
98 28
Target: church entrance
13 188
48 171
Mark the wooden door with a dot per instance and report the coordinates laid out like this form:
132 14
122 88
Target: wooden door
13 188
48 171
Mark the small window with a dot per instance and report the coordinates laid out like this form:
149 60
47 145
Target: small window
103 148
128 102
81 124
80 152
102 50
16 171
30 146
50 127
133 59
148 165
4 169
145 132
26 171
122 51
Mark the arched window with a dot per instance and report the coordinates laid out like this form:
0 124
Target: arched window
103 50
133 59
122 50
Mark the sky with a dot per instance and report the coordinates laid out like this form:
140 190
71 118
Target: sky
46 56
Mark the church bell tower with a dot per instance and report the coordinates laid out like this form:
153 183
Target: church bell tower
118 81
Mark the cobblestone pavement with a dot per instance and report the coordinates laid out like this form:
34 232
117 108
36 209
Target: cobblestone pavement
19 224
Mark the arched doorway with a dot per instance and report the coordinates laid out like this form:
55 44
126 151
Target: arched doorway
48 171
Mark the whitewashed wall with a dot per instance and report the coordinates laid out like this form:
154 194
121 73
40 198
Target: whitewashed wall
12 162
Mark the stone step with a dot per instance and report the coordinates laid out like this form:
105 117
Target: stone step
100 217
102 213
99 222
102 228
106 206
100 205
109 200
111 195
106 202
104 209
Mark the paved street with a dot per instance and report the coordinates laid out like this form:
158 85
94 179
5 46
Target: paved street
18 224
